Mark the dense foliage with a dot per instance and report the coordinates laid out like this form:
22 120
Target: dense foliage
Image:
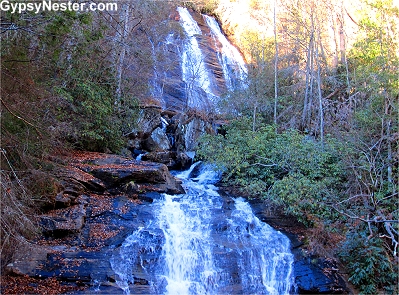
369 264
330 158
290 169
66 68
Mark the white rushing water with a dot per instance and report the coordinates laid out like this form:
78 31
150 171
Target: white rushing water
195 74
234 68
196 68
187 249
206 245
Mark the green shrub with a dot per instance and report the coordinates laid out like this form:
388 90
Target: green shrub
307 179
289 169
369 265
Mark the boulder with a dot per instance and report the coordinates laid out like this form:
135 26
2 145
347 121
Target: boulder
183 161
63 200
64 220
186 129
168 158
193 129
27 260
157 141
115 172
149 120
81 180
173 160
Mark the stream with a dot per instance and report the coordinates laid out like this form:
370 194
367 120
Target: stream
198 243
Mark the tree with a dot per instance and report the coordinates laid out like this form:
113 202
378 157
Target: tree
275 64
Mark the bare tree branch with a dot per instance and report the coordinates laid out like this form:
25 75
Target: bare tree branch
20 118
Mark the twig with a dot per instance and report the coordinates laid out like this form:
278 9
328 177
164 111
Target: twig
387 197
353 197
375 220
20 118
263 165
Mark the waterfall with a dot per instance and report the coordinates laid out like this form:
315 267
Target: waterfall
201 243
265 260
195 74
195 67
234 68
187 249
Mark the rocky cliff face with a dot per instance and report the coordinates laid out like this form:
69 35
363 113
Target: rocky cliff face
169 137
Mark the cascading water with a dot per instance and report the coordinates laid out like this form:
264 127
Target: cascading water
234 68
195 67
195 74
199 243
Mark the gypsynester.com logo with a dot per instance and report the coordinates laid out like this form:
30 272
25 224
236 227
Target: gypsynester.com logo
51 5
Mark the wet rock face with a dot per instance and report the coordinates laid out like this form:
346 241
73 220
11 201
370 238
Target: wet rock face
318 276
105 199
157 141
116 172
171 144
210 49
84 256
187 129
170 86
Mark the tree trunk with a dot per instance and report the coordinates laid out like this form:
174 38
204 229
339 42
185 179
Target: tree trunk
254 118
321 116
309 67
122 40
275 67
342 47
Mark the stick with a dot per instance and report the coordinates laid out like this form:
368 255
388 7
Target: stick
20 118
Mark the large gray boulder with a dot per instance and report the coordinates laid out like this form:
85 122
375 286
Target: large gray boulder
157 141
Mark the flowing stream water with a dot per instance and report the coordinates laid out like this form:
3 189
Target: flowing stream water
203 243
